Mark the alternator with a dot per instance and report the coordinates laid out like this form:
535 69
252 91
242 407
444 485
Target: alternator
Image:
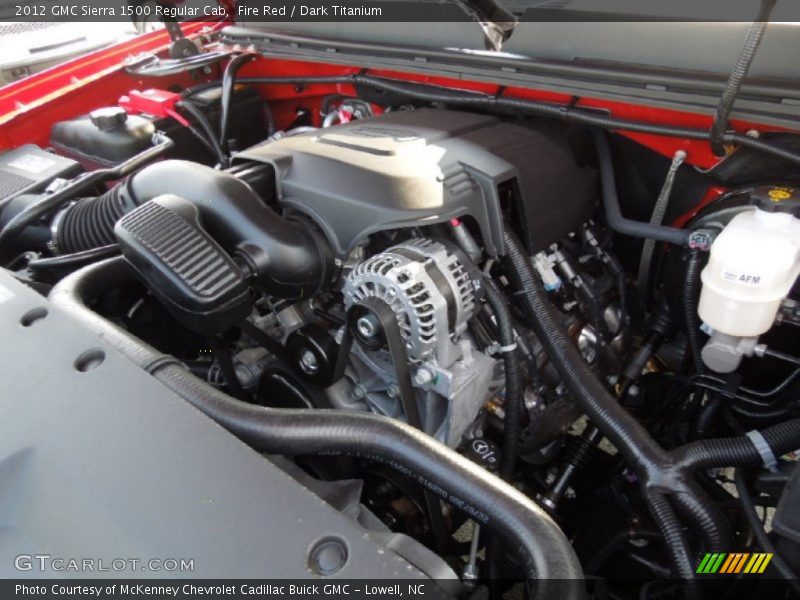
431 289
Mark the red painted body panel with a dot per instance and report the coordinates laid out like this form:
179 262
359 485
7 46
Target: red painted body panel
28 108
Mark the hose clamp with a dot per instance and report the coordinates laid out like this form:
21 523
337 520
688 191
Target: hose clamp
701 239
496 348
763 448
52 245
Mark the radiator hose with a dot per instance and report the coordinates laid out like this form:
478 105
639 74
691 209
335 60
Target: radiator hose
287 258
549 558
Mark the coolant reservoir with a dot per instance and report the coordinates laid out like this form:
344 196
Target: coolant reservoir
752 267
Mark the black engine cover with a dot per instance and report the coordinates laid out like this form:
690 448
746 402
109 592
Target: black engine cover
410 168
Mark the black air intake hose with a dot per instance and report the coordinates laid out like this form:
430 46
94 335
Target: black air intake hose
526 528
48 203
285 258
89 223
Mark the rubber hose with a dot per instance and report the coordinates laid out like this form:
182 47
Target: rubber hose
746 55
623 431
161 145
209 134
614 544
763 394
75 260
634 443
793 360
759 415
522 523
513 375
738 451
616 221
228 81
676 543
691 293
698 508
89 223
201 137
285 257
709 415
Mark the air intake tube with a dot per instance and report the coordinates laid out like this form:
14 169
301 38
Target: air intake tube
284 257
552 565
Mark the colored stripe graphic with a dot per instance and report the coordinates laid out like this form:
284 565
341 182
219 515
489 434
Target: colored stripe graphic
767 558
726 565
701 568
754 559
715 567
733 563
711 563
740 565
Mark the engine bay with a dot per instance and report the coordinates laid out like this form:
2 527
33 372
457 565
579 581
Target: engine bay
537 348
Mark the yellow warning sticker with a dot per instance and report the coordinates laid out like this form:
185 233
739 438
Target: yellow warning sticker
778 194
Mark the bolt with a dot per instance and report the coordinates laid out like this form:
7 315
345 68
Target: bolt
470 575
368 326
308 363
423 376
393 391
546 501
358 393
328 557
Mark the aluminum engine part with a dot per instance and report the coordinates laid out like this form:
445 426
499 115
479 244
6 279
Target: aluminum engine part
449 398
432 291
429 289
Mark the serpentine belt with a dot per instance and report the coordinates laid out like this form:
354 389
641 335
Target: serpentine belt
389 336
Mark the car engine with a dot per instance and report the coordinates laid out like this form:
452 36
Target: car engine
455 285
